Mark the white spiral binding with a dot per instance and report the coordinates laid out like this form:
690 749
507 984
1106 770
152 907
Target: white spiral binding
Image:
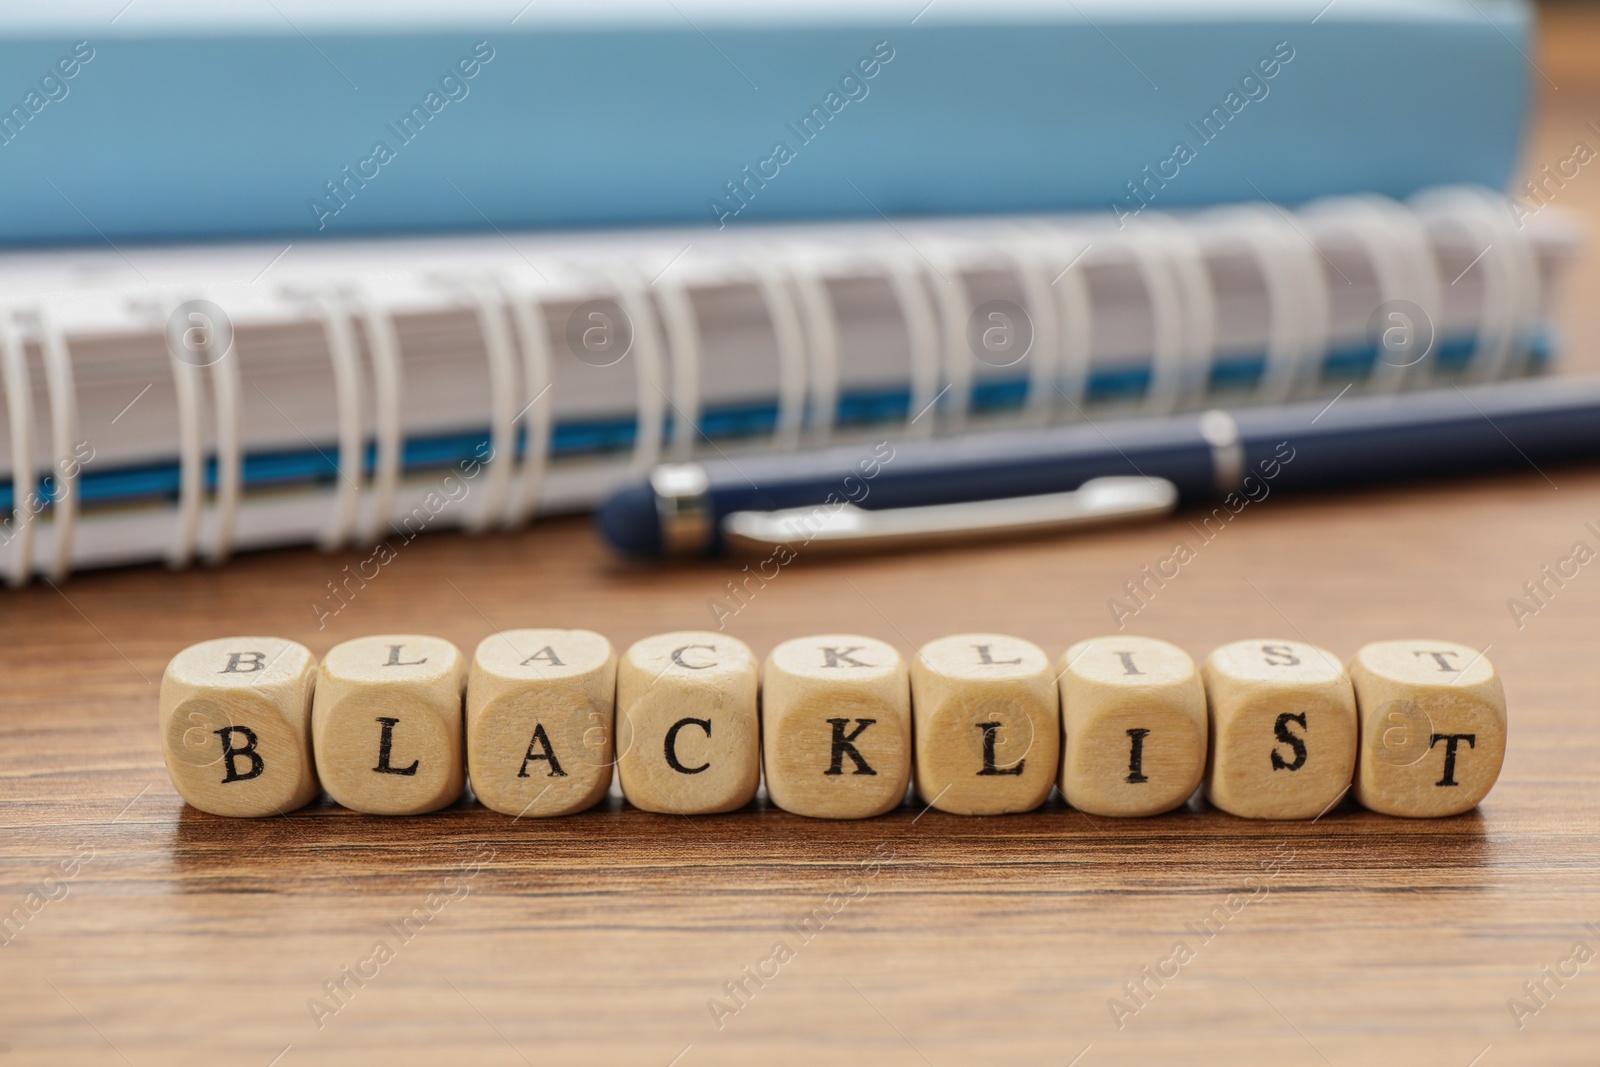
1191 274
1031 266
686 358
922 339
339 334
773 284
63 439
1401 254
501 358
1167 255
954 302
1297 297
822 342
1169 341
647 350
383 347
533 337
225 394
24 479
1510 303
191 456
1075 313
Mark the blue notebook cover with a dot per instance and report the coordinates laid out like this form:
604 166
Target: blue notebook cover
183 120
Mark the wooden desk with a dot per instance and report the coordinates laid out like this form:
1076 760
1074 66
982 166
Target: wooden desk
184 938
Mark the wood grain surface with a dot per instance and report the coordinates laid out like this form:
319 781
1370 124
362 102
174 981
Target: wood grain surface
916 938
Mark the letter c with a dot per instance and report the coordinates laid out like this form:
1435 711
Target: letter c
677 657
671 745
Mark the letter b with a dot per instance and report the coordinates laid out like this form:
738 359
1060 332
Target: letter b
231 755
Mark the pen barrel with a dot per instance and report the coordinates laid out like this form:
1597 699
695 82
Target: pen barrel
972 467
1351 440
1447 432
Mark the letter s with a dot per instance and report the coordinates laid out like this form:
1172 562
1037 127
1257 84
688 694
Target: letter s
883 50
84 51
483 51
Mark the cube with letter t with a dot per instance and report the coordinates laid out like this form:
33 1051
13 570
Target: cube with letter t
1433 727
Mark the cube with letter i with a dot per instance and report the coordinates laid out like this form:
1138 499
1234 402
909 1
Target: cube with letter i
236 725
387 724
688 723
1432 727
987 723
836 730
540 721
1283 729
1133 713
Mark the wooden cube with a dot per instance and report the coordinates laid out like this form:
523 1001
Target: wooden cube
235 719
1283 729
987 723
540 713
688 723
836 735
1134 718
1432 727
387 725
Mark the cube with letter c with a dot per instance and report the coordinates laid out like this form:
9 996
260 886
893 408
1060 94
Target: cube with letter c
688 723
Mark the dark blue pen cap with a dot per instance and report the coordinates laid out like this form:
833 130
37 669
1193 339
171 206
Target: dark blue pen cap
630 523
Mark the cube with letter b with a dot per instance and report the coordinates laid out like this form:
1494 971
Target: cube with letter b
387 724
236 725
836 735
1283 729
1433 727
688 723
987 722
1133 713
540 711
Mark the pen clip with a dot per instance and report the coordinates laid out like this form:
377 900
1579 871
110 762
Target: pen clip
844 526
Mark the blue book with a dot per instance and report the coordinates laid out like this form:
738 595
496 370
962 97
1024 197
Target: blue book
183 121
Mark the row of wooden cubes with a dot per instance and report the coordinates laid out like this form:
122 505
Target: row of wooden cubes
984 724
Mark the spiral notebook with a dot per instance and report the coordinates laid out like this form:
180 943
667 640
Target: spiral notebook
185 403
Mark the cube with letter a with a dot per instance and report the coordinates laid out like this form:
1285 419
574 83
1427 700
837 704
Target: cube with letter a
987 723
836 730
1283 729
1133 713
236 725
1432 727
540 711
386 724
688 723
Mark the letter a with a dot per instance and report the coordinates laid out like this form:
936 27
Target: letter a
548 754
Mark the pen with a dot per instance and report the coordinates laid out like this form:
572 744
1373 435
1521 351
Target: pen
890 493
